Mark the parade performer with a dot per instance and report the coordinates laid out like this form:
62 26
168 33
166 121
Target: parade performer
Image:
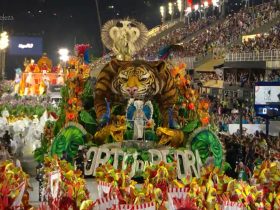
243 171
45 83
139 119
17 81
44 63
60 79
32 67
29 82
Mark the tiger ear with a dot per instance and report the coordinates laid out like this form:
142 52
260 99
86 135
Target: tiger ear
159 65
116 64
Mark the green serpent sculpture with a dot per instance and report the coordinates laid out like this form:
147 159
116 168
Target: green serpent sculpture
68 140
207 144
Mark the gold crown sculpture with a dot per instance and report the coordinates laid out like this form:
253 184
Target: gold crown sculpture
124 37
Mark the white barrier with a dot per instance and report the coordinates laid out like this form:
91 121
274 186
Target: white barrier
267 55
274 128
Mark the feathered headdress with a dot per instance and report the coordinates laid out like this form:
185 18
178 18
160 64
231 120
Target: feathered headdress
83 50
164 52
18 71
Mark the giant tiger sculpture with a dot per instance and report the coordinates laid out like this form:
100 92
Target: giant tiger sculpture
121 80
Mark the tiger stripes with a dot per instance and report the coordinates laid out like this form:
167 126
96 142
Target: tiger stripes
154 82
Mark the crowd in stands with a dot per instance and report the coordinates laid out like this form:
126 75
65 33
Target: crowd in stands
242 79
224 33
205 77
250 149
234 118
5 147
220 34
261 42
14 101
228 112
175 36
274 76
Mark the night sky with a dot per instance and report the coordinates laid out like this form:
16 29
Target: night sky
62 23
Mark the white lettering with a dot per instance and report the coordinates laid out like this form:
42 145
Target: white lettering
191 163
103 156
91 155
140 165
164 154
117 153
188 163
198 162
24 46
133 166
156 156
181 158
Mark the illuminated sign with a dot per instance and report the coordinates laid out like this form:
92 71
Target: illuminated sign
267 99
23 46
26 46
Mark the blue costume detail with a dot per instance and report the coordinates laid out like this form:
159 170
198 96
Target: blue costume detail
86 56
131 110
104 120
171 122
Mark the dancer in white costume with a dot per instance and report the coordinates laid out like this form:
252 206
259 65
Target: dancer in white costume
60 79
29 84
44 86
139 120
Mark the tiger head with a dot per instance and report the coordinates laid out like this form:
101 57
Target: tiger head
136 79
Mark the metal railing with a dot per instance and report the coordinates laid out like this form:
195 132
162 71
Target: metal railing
189 61
160 28
268 55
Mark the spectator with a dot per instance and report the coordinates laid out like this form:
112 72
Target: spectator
216 37
265 41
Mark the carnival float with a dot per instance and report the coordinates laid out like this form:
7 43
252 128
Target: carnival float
146 133
135 104
37 78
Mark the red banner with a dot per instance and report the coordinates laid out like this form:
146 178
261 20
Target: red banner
189 2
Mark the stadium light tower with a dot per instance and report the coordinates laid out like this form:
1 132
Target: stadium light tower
170 10
63 54
206 5
63 57
247 3
215 3
196 8
4 40
188 11
4 43
180 8
162 12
